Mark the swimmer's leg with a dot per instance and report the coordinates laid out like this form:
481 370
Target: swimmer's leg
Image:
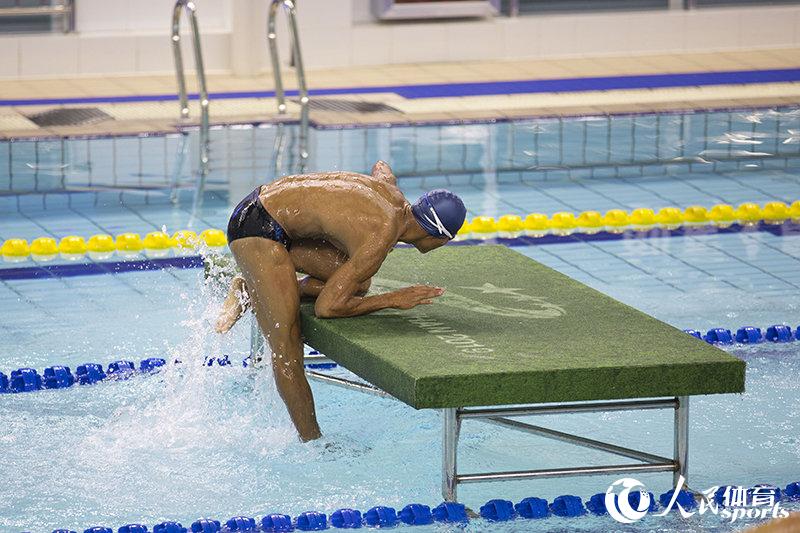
236 303
318 259
272 284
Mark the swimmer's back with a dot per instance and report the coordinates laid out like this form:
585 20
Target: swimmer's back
342 207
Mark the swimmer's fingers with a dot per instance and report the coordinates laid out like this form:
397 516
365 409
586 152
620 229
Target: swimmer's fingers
416 295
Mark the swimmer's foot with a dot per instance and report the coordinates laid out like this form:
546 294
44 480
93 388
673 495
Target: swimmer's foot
233 307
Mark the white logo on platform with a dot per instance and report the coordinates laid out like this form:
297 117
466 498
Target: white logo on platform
539 307
618 505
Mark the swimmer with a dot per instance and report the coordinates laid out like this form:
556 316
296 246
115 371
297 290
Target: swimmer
336 228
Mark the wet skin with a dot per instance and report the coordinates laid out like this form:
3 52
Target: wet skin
342 226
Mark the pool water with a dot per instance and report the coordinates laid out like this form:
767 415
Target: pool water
196 441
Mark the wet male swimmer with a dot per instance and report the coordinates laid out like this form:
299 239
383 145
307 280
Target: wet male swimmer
336 228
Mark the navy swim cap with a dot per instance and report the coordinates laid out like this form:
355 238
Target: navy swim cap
440 212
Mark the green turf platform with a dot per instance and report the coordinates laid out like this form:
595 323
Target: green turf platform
510 330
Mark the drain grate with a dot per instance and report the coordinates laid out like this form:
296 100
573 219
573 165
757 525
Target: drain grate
348 106
69 116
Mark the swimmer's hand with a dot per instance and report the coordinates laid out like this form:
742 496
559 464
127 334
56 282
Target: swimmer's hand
415 295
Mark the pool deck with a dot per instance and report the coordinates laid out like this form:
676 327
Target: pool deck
425 92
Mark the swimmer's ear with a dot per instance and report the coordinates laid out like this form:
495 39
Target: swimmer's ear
382 171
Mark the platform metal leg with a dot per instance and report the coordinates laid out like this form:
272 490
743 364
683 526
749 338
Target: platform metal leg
450 430
681 440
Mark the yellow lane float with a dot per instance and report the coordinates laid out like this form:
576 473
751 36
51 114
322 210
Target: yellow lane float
483 228
185 241
722 215
563 223
44 249
72 247
590 222
695 215
464 231
616 220
794 211
214 238
100 246
157 244
643 219
669 217
509 226
536 225
129 244
15 250
748 214
776 213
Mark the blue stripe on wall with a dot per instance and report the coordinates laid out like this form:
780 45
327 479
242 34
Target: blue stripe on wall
601 83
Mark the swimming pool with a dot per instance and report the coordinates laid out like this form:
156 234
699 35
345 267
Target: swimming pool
197 441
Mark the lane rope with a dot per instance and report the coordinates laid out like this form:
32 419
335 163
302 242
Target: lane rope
496 510
776 217
61 377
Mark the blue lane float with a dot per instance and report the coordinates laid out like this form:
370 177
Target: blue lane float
450 512
277 523
206 525
718 336
381 516
241 524
61 377
90 373
635 500
312 521
169 527
415 514
498 510
133 528
597 504
747 334
25 380
346 519
567 506
685 499
58 377
150 364
121 369
533 508
420 514
779 333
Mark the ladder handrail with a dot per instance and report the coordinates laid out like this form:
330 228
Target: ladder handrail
291 13
191 12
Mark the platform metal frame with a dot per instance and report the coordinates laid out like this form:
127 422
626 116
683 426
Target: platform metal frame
503 416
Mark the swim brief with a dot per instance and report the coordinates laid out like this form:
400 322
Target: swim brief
250 219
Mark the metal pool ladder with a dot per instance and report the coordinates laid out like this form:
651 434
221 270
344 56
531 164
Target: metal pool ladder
291 13
191 12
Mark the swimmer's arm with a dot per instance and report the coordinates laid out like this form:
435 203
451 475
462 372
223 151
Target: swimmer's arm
339 299
311 287
382 171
